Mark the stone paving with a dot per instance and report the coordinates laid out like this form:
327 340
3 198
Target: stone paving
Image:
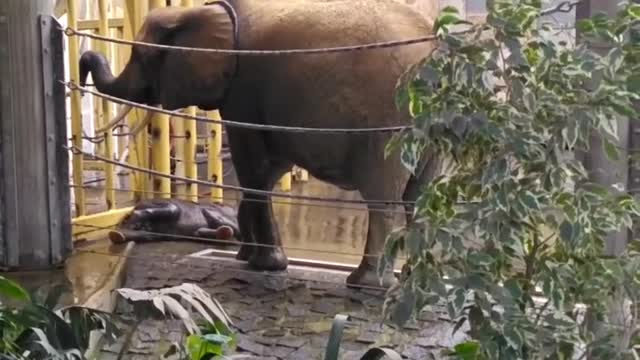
280 316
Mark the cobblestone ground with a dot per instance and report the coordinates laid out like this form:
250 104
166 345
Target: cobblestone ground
282 316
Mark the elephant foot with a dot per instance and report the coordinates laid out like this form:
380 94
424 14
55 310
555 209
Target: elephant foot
366 275
269 259
245 252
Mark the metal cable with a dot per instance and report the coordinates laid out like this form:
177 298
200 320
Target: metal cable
262 201
232 123
77 151
229 242
564 6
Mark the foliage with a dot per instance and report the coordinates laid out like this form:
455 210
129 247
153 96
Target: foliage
34 330
516 215
206 340
335 337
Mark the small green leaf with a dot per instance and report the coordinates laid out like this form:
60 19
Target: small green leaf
414 242
199 347
514 289
468 350
450 9
610 149
217 339
529 100
530 201
566 231
404 307
459 297
585 25
513 336
634 11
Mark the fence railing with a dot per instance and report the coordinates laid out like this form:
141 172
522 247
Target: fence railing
170 138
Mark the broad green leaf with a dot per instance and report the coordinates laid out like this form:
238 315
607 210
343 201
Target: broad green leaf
514 289
414 242
199 347
403 309
610 149
12 290
513 336
450 9
530 201
634 11
468 350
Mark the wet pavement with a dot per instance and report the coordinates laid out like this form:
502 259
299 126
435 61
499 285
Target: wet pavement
284 315
277 316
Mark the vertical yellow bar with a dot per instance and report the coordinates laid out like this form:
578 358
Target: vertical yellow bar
160 143
142 140
179 141
189 159
214 146
189 151
76 111
138 146
119 59
109 169
285 182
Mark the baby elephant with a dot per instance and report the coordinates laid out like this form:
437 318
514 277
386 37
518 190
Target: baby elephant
169 219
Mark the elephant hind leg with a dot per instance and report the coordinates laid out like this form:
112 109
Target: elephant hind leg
381 221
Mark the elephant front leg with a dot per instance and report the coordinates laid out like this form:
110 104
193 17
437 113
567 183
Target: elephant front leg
246 237
261 241
267 253
380 224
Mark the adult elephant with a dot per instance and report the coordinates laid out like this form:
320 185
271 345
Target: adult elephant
338 90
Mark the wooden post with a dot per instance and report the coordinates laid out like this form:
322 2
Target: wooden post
34 168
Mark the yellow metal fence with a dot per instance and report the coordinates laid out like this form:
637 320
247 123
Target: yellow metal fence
122 19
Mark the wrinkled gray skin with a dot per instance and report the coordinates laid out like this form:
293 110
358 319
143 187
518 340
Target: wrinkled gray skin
152 218
339 90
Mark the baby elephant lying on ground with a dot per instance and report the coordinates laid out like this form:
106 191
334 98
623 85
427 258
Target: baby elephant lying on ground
169 219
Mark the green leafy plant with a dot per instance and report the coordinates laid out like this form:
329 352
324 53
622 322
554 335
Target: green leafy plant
207 340
335 337
33 329
516 216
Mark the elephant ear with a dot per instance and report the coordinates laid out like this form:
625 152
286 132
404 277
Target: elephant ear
166 25
182 78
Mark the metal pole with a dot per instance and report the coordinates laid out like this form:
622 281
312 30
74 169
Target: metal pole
34 168
609 173
214 147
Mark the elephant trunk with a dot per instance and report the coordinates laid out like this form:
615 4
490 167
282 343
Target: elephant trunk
125 86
